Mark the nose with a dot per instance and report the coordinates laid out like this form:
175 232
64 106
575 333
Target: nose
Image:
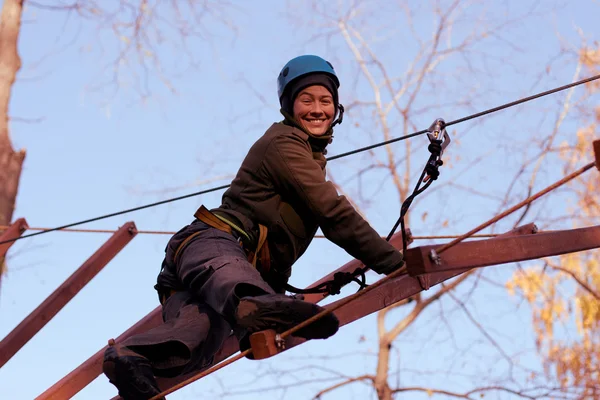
316 109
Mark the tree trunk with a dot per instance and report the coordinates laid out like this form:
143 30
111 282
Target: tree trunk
11 161
383 362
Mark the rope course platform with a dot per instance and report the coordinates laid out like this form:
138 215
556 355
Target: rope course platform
425 267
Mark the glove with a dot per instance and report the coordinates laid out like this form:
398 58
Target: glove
397 263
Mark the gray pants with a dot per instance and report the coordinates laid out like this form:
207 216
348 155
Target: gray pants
215 274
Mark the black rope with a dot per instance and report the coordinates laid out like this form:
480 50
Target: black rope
359 150
439 140
335 285
158 203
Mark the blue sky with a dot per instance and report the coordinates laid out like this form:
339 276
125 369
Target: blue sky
94 153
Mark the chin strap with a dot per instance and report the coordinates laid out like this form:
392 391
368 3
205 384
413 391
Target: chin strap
340 117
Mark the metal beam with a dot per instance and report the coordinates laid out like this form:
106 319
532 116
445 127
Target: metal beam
397 290
458 259
83 375
35 321
388 294
482 253
464 256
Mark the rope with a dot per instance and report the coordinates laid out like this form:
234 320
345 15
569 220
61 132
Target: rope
341 279
528 200
467 118
202 374
4 227
419 237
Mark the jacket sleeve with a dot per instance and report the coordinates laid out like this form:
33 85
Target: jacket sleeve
288 161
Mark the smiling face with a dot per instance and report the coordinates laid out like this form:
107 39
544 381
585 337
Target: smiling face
314 109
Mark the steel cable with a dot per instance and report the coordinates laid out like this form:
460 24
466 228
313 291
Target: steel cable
214 189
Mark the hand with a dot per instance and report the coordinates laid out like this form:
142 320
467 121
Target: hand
394 266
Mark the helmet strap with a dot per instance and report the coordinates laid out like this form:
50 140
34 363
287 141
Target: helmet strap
340 117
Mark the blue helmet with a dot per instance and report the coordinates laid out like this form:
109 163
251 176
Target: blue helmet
303 65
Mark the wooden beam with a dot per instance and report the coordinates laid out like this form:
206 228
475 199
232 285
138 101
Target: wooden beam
482 253
38 318
460 259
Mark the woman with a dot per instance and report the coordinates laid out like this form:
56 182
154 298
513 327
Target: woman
228 269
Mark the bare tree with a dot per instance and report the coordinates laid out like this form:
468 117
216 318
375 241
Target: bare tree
11 161
138 29
455 50
574 358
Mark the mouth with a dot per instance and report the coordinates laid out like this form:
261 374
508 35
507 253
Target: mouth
315 122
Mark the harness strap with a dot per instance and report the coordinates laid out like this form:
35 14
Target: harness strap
212 219
232 225
261 253
208 218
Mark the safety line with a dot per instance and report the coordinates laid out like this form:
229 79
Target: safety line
4 227
393 275
150 232
469 117
514 208
476 115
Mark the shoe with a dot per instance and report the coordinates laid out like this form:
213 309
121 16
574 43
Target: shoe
281 312
130 373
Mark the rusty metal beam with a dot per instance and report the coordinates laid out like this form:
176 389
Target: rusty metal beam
389 293
465 256
14 231
38 318
83 375
397 290
597 153
482 253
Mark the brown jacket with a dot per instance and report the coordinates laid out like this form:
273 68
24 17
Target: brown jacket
282 184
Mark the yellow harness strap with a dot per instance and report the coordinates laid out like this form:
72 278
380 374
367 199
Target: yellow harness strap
262 251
